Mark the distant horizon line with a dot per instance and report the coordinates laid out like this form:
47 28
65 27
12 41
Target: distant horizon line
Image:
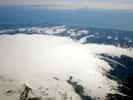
55 7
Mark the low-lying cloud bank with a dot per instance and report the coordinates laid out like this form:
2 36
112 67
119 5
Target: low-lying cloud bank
36 58
74 4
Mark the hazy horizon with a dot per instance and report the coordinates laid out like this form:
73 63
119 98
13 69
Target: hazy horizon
41 15
74 4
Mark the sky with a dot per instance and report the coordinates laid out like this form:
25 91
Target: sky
114 14
74 4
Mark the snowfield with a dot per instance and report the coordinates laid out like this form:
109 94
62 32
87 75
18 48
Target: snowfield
45 63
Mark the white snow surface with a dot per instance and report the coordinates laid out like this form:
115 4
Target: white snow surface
36 59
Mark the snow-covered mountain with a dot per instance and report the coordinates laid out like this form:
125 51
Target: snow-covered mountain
82 34
65 63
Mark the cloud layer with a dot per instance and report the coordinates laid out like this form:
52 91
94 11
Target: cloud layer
74 4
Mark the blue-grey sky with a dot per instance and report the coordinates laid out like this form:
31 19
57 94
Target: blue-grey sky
75 4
